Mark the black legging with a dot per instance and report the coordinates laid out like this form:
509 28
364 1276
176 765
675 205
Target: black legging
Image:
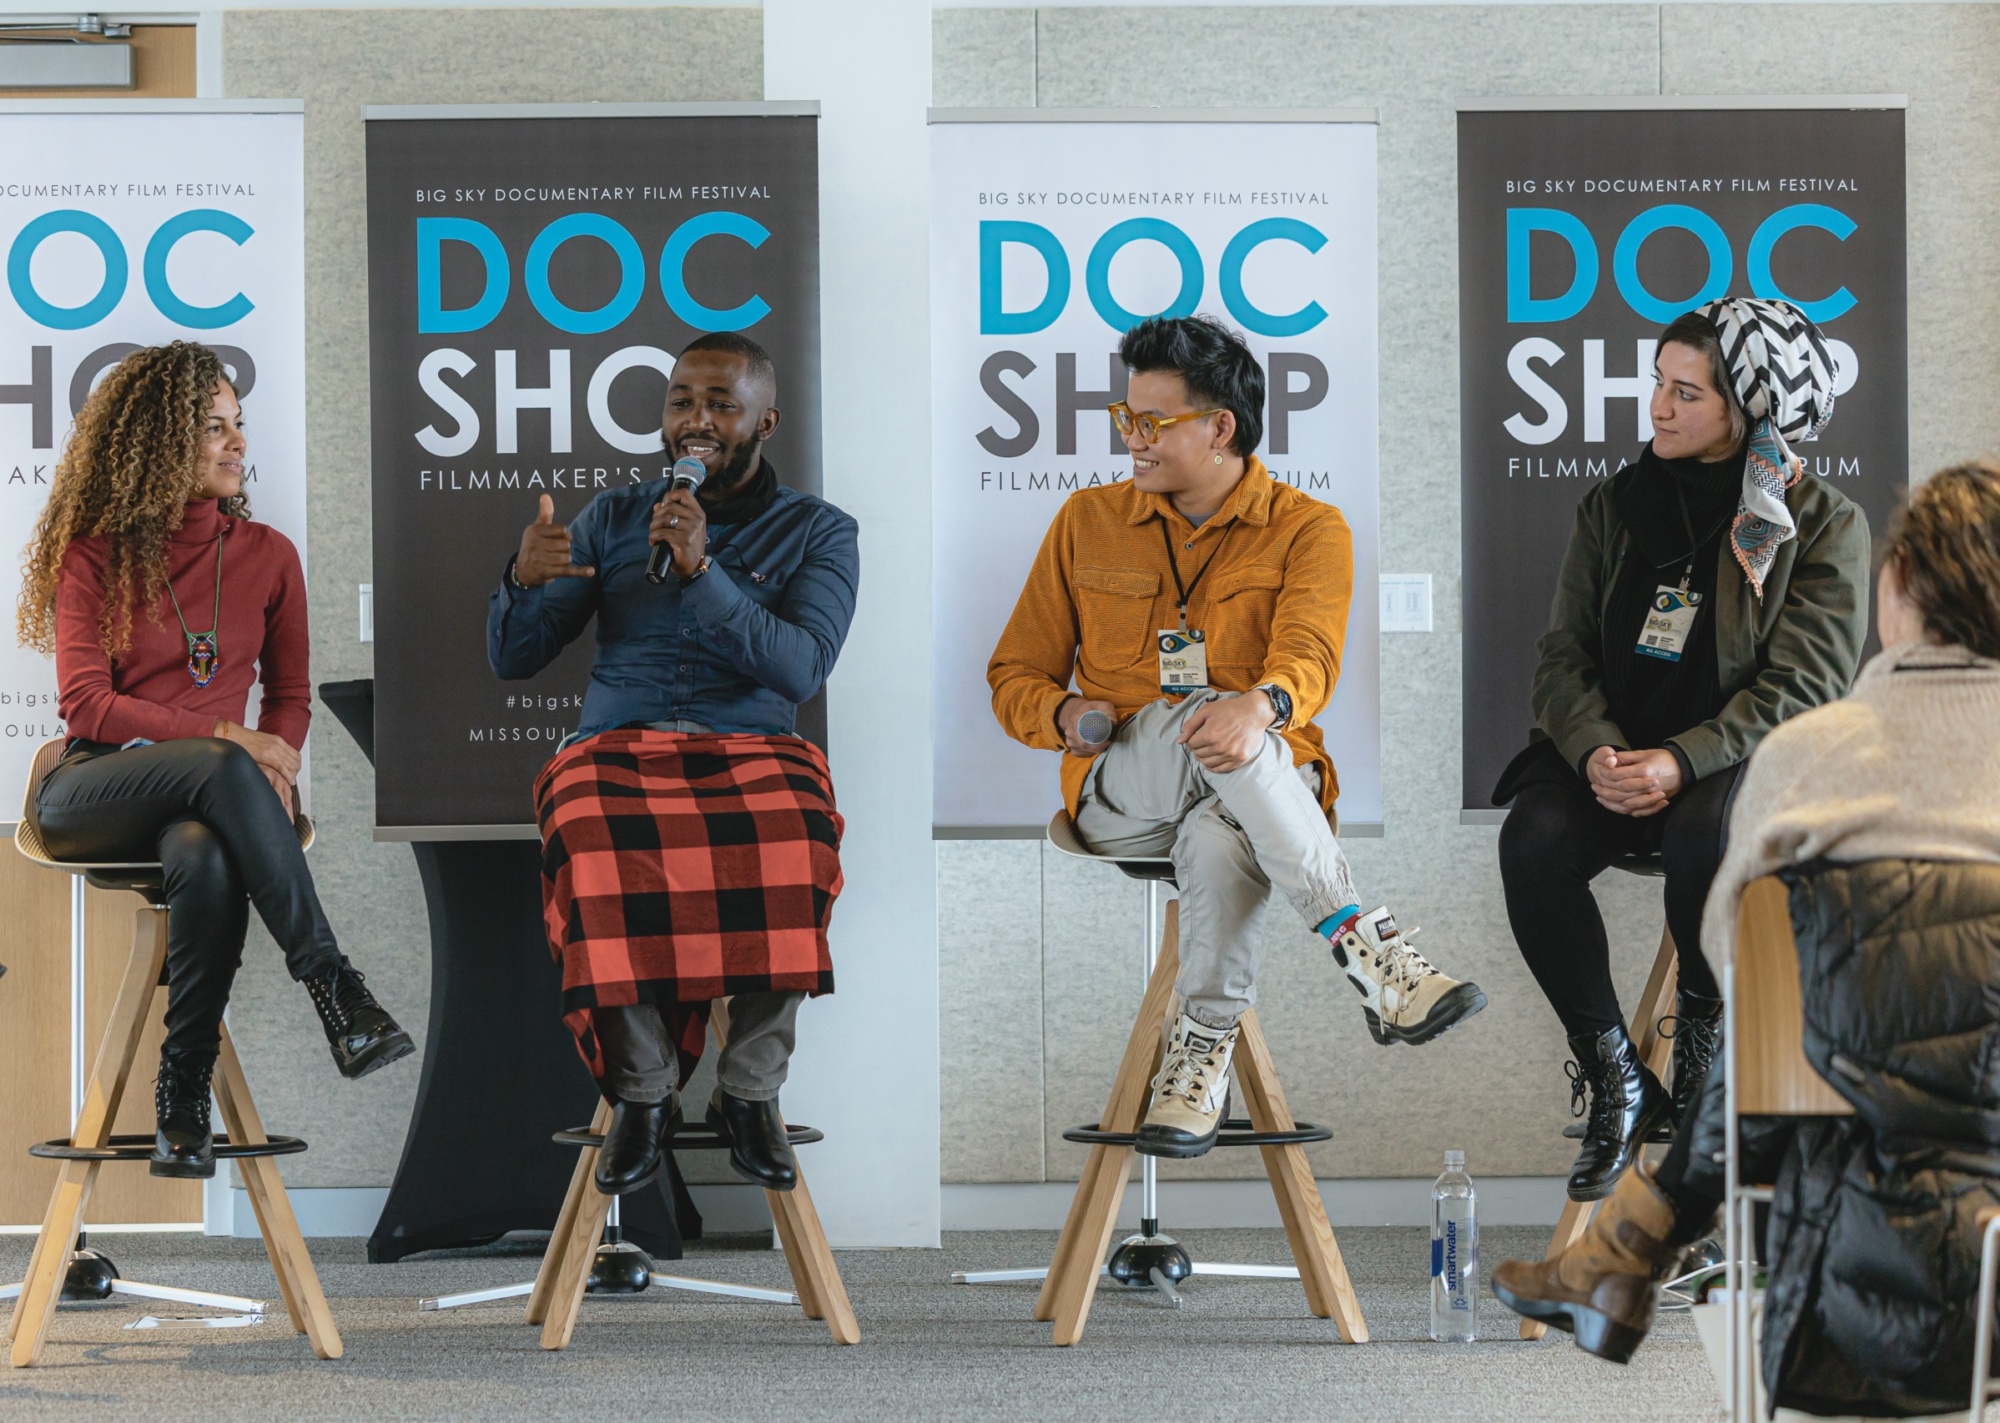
1557 839
203 809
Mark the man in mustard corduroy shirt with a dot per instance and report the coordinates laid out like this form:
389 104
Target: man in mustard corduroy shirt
1200 607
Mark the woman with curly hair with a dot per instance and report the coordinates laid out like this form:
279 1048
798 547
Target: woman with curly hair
162 603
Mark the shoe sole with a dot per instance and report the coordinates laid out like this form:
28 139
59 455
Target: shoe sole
184 1171
626 1190
390 1049
1173 1148
1595 1333
1447 1013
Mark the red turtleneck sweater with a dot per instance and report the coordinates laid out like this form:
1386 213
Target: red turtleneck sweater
147 692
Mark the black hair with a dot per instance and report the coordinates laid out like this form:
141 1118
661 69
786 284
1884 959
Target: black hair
736 344
1212 362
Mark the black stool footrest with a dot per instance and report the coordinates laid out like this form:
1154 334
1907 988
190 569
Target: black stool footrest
140 1148
1237 1131
692 1137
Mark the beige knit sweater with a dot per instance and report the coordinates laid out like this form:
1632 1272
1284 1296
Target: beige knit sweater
1907 767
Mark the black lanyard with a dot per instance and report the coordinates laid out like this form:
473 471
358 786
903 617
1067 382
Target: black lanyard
1186 591
1687 522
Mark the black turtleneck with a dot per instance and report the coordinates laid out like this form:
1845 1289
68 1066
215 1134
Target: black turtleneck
745 502
1677 511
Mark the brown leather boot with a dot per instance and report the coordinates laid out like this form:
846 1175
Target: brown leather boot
1601 1288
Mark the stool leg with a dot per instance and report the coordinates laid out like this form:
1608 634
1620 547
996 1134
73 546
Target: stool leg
1656 1051
291 1262
42 1288
580 1183
1093 1211
815 1278
1329 1292
572 1273
814 1274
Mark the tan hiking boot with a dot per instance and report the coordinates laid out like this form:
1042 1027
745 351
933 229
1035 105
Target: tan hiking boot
1404 998
1601 1289
1189 1092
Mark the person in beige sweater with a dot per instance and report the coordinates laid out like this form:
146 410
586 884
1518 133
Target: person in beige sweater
1906 767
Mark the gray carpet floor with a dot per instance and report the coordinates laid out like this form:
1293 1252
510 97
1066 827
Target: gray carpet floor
930 1349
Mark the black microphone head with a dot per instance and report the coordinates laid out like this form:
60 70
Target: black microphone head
688 473
1094 728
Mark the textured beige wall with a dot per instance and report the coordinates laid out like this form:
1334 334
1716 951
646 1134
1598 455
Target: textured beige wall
1494 1087
337 61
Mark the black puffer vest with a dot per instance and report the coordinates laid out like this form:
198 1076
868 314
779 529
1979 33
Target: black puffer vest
1873 1246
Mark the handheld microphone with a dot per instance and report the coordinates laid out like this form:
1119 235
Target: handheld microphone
688 473
1094 728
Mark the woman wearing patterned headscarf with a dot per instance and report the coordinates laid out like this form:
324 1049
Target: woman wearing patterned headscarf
1710 592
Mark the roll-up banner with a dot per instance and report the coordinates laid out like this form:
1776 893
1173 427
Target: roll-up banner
1052 233
1584 227
532 273
131 223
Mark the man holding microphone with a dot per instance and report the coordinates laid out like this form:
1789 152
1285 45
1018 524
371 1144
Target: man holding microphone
690 838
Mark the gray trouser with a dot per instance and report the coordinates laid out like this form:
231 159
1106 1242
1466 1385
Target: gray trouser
1232 835
639 1061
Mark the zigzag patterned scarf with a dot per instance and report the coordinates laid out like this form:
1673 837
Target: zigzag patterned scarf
1784 378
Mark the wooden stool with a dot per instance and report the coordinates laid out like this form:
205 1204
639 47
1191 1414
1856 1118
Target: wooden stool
557 1295
1071 1283
90 1143
1767 1073
1655 1051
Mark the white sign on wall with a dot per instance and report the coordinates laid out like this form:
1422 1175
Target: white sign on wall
1049 239
128 224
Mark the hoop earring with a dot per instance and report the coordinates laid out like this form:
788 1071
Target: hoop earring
1218 456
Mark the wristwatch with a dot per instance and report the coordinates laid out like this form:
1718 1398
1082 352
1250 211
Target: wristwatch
699 569
1281 703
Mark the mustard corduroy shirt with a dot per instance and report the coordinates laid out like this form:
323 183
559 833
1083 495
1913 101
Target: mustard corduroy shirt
1273 607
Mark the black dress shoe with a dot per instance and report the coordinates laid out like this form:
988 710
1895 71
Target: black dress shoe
359 1030
758 1145
632 1153
183 1145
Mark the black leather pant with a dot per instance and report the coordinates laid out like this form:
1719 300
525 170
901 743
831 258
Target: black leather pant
1557 839
203 809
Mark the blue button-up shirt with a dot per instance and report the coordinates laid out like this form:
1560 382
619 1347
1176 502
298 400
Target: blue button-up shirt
736 650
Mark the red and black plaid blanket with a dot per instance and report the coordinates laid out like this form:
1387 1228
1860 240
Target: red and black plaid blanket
678 868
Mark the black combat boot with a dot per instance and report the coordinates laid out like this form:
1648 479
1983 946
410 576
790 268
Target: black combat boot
183 1144
1626 1103
360 1032
1697 1034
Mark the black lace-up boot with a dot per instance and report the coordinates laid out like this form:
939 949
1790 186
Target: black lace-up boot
1696 1029
361 1033
1626 1103
183 1144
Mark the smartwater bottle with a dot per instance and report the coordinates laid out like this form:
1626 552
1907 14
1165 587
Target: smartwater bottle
1454 1255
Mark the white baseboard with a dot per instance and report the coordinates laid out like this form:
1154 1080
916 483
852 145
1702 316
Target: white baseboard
353 1210
1219 1205
322 1210
1027 1205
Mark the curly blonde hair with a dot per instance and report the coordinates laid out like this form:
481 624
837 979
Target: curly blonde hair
132 463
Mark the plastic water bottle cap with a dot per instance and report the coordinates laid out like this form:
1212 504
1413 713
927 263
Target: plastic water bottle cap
1454 1161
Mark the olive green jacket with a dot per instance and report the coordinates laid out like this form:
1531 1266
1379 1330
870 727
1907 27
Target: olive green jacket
1797 648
